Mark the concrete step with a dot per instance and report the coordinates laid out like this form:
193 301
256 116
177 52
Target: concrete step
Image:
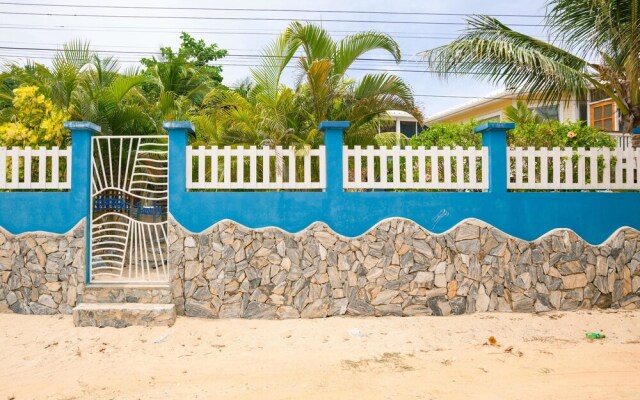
127 293
121 315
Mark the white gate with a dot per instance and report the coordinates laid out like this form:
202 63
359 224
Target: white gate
129 209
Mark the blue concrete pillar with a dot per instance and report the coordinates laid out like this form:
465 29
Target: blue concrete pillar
494 136
81 133
178 131
333 132
81 157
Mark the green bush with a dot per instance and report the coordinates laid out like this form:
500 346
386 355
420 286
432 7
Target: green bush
555 134
546 134
451 135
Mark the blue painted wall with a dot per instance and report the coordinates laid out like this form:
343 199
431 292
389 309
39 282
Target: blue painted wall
594 216
56 212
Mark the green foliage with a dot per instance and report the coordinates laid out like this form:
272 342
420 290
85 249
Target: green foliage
87 87
189 71
521 114
546 134
446 134
604 30
555 134
390 139
323 91
35 121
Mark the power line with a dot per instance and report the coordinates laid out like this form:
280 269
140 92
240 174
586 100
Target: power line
428 95
259 10
178 30
321 20
191 30
245 65
227 64
230 30
232 55
157 52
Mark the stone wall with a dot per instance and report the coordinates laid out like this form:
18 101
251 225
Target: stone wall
397 268
41 273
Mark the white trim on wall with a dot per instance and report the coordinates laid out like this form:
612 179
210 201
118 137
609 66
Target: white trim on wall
499 114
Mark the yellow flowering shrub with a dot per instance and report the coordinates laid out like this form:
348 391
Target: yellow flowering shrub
36 121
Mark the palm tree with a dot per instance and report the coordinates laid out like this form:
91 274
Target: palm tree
521 114
112 99
323 90
89 88
584 30
60 82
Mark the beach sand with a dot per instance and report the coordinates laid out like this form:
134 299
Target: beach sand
535 357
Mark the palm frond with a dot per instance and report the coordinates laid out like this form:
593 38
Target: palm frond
377 93
122 85
390 139
491 51
594 26
354 46
314 40
75 53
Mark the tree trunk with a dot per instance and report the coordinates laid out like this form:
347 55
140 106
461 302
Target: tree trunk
631 121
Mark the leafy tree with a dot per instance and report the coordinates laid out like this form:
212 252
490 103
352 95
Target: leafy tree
36 121
606 30
187 72
202 55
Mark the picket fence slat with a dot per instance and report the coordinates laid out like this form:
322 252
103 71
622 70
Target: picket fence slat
26 168
240 168
415 169
569 169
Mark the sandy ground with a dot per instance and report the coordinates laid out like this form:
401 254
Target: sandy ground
535 357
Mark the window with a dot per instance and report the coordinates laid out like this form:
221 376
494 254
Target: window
549 113
409 128
583 110
603 115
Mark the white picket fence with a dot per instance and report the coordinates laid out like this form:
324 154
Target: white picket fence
416 168
40 168
568 169
255 168
623 140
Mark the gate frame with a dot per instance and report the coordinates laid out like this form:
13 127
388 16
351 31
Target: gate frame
89 224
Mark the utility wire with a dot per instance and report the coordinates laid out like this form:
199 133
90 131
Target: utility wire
231 55
157 52
428 95
257 10
253 65
321 20
199 30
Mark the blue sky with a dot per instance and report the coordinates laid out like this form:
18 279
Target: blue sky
130 37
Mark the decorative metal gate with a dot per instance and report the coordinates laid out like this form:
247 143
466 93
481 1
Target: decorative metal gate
129 209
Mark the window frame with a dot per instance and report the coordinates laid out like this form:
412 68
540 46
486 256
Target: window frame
601 104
